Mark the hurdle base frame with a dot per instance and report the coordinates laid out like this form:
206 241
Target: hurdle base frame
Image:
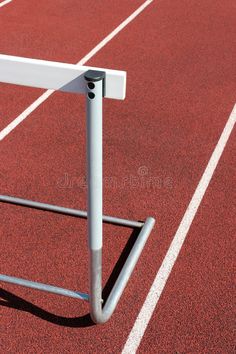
100 313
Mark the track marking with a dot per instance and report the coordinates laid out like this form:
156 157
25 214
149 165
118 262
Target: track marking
5 2
95 50
164 271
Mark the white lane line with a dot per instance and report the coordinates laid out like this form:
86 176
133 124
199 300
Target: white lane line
164 271
48 93
5 2
115 32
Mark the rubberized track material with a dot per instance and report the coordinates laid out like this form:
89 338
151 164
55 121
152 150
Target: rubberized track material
182 112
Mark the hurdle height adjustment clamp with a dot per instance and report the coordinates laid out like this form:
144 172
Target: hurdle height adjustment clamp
95 82
93 76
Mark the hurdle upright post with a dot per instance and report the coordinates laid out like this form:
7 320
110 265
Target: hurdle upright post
94 99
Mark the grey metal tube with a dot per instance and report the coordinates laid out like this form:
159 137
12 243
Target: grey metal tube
67 211
99 314
94 172
44 287
94 161
95 186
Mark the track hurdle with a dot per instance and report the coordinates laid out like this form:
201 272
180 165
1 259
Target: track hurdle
95 83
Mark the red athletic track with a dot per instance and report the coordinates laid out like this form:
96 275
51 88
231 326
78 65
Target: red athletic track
195 313
181 89
60 31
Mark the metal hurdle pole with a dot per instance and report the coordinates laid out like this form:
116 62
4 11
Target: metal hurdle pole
96 89
96 81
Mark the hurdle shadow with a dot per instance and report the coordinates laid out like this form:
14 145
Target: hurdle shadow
10 300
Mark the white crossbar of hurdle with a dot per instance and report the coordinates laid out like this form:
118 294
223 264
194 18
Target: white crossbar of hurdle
95 83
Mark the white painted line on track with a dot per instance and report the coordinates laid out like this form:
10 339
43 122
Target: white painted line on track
164 271
5 3
7 130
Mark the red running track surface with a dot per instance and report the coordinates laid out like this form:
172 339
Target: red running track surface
195 313
60 31
157 143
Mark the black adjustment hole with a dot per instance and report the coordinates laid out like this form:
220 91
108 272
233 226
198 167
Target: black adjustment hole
91 85
91 95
